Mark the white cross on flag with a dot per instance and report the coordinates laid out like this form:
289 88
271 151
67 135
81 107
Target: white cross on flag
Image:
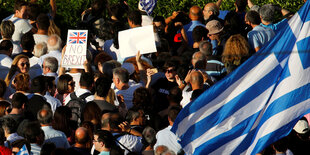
258 103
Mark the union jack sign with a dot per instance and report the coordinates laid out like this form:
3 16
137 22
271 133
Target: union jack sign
77 37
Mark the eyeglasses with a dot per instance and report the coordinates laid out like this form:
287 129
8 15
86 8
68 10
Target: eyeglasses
169 70
23 64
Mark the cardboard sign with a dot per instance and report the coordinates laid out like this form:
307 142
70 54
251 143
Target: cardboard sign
137 39
76 49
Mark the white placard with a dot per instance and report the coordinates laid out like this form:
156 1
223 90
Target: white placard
75 54
137 39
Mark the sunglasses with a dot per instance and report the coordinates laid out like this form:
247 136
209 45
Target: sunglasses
23 64
169 70
71 84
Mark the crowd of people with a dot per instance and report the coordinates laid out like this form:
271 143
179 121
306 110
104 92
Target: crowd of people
119 105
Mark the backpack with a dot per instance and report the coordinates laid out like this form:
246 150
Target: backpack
77 104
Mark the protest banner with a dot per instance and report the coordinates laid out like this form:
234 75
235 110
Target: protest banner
76 49
137 39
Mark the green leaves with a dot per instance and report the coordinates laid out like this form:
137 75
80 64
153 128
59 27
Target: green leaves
69 11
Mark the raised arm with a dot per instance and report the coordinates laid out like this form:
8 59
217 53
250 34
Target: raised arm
250 4
53 8
218 3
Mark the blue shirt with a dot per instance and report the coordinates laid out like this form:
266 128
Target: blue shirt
275 26
259 36
56 137
104 153
189 30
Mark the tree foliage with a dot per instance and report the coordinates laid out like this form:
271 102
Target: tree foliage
69 11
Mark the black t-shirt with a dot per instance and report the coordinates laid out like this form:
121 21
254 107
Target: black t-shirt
162 88
104 105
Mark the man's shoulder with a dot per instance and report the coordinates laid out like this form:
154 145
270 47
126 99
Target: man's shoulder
104 105
164 131
135 85
8 18
51 131
130 138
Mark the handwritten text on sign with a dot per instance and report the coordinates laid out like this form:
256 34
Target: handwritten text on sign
75 54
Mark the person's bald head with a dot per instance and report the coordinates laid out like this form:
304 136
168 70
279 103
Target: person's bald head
105 120
209 10
45 116
199 60
81 135
195 12
54 43
196 79
160 149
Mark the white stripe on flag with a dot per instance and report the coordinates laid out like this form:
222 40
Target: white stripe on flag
296 69
262 69
233 120
274 123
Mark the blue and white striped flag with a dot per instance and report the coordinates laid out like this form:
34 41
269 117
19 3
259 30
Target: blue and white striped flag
148 5
258 103
23 151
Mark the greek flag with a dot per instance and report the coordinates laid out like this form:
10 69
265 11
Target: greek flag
258 103
148 5
23 151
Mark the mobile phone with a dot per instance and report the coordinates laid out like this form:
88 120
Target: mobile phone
154 70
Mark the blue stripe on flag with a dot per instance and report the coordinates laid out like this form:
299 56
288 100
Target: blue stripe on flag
283 94
240 129
229 108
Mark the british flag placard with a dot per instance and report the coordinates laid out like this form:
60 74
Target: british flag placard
75 54
77 37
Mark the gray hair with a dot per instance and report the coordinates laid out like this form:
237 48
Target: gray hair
215 10
267 12
149 134
7 29
122 74
47 119
205 47
51 63
199 56
57 45
40 49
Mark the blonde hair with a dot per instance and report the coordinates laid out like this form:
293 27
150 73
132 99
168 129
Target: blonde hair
111 96
14 68
235 49
53 29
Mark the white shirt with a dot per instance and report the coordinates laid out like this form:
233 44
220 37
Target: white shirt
5 65
12 138
22 26
146 20
133 143
5 60
78 93
76 78
54 102
38 38
168 138
56 54
186 97
16 48
128 93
